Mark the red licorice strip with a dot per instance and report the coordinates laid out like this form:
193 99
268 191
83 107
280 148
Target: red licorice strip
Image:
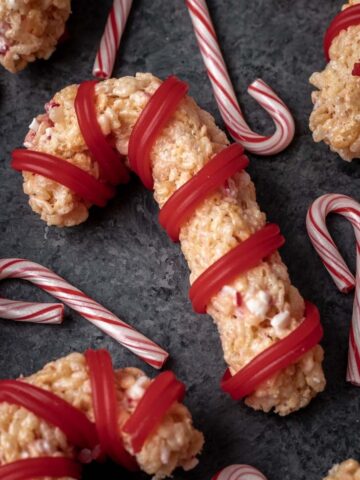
345 19
152 120
240 259
112 168
161 394
86 186
106 408
278 356
53 409
356 70
182 204
29 468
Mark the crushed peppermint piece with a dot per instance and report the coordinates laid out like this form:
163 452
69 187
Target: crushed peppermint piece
4 47
258 304
50 105
280 321
164 455
34 125
136 391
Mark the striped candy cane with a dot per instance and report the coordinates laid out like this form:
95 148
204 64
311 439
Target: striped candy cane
239 472
110 41
85 306
335 264
225 96
51 313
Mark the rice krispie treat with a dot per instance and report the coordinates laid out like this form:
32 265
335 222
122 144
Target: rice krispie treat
253 312
336 115
348 470
30 29
173 443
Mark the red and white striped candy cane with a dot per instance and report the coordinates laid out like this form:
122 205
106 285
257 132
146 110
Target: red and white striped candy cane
225 96
53 284
335 264
110 41
239 472
50 313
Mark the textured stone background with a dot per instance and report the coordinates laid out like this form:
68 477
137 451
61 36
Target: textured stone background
123 259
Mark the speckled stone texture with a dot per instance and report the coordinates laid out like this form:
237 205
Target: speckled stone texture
122 258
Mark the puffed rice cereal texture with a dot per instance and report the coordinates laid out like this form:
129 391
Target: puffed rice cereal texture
30 30
174 443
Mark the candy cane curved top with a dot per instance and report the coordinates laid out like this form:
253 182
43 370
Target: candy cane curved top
100 316
225 96
335 264
322 241
239 472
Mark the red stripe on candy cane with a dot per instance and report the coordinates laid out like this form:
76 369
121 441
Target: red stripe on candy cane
49 313
100 316
225 95
110 41
239 472
335 264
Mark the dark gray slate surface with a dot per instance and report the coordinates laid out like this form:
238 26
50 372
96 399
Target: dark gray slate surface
123 259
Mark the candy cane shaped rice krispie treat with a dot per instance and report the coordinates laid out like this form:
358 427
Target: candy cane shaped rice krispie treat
168 443
258 309
30 30
348 470
336 115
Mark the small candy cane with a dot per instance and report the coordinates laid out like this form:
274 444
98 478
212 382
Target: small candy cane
335 264
110 41
225 96
239 472
51 313
85 306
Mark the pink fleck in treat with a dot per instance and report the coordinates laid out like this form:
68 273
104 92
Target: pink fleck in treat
30 30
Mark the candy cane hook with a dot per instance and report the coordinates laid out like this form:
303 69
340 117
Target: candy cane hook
47 280
335 264
225 96
239 472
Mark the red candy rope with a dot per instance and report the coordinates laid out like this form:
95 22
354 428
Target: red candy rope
245 256
275 358
151 409
242 258
151 121
112 168
61 171
182 204
105 408
156 401
345 19
41 467
75 425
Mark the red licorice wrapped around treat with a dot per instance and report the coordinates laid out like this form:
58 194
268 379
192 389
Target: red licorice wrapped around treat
110 414
208 202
